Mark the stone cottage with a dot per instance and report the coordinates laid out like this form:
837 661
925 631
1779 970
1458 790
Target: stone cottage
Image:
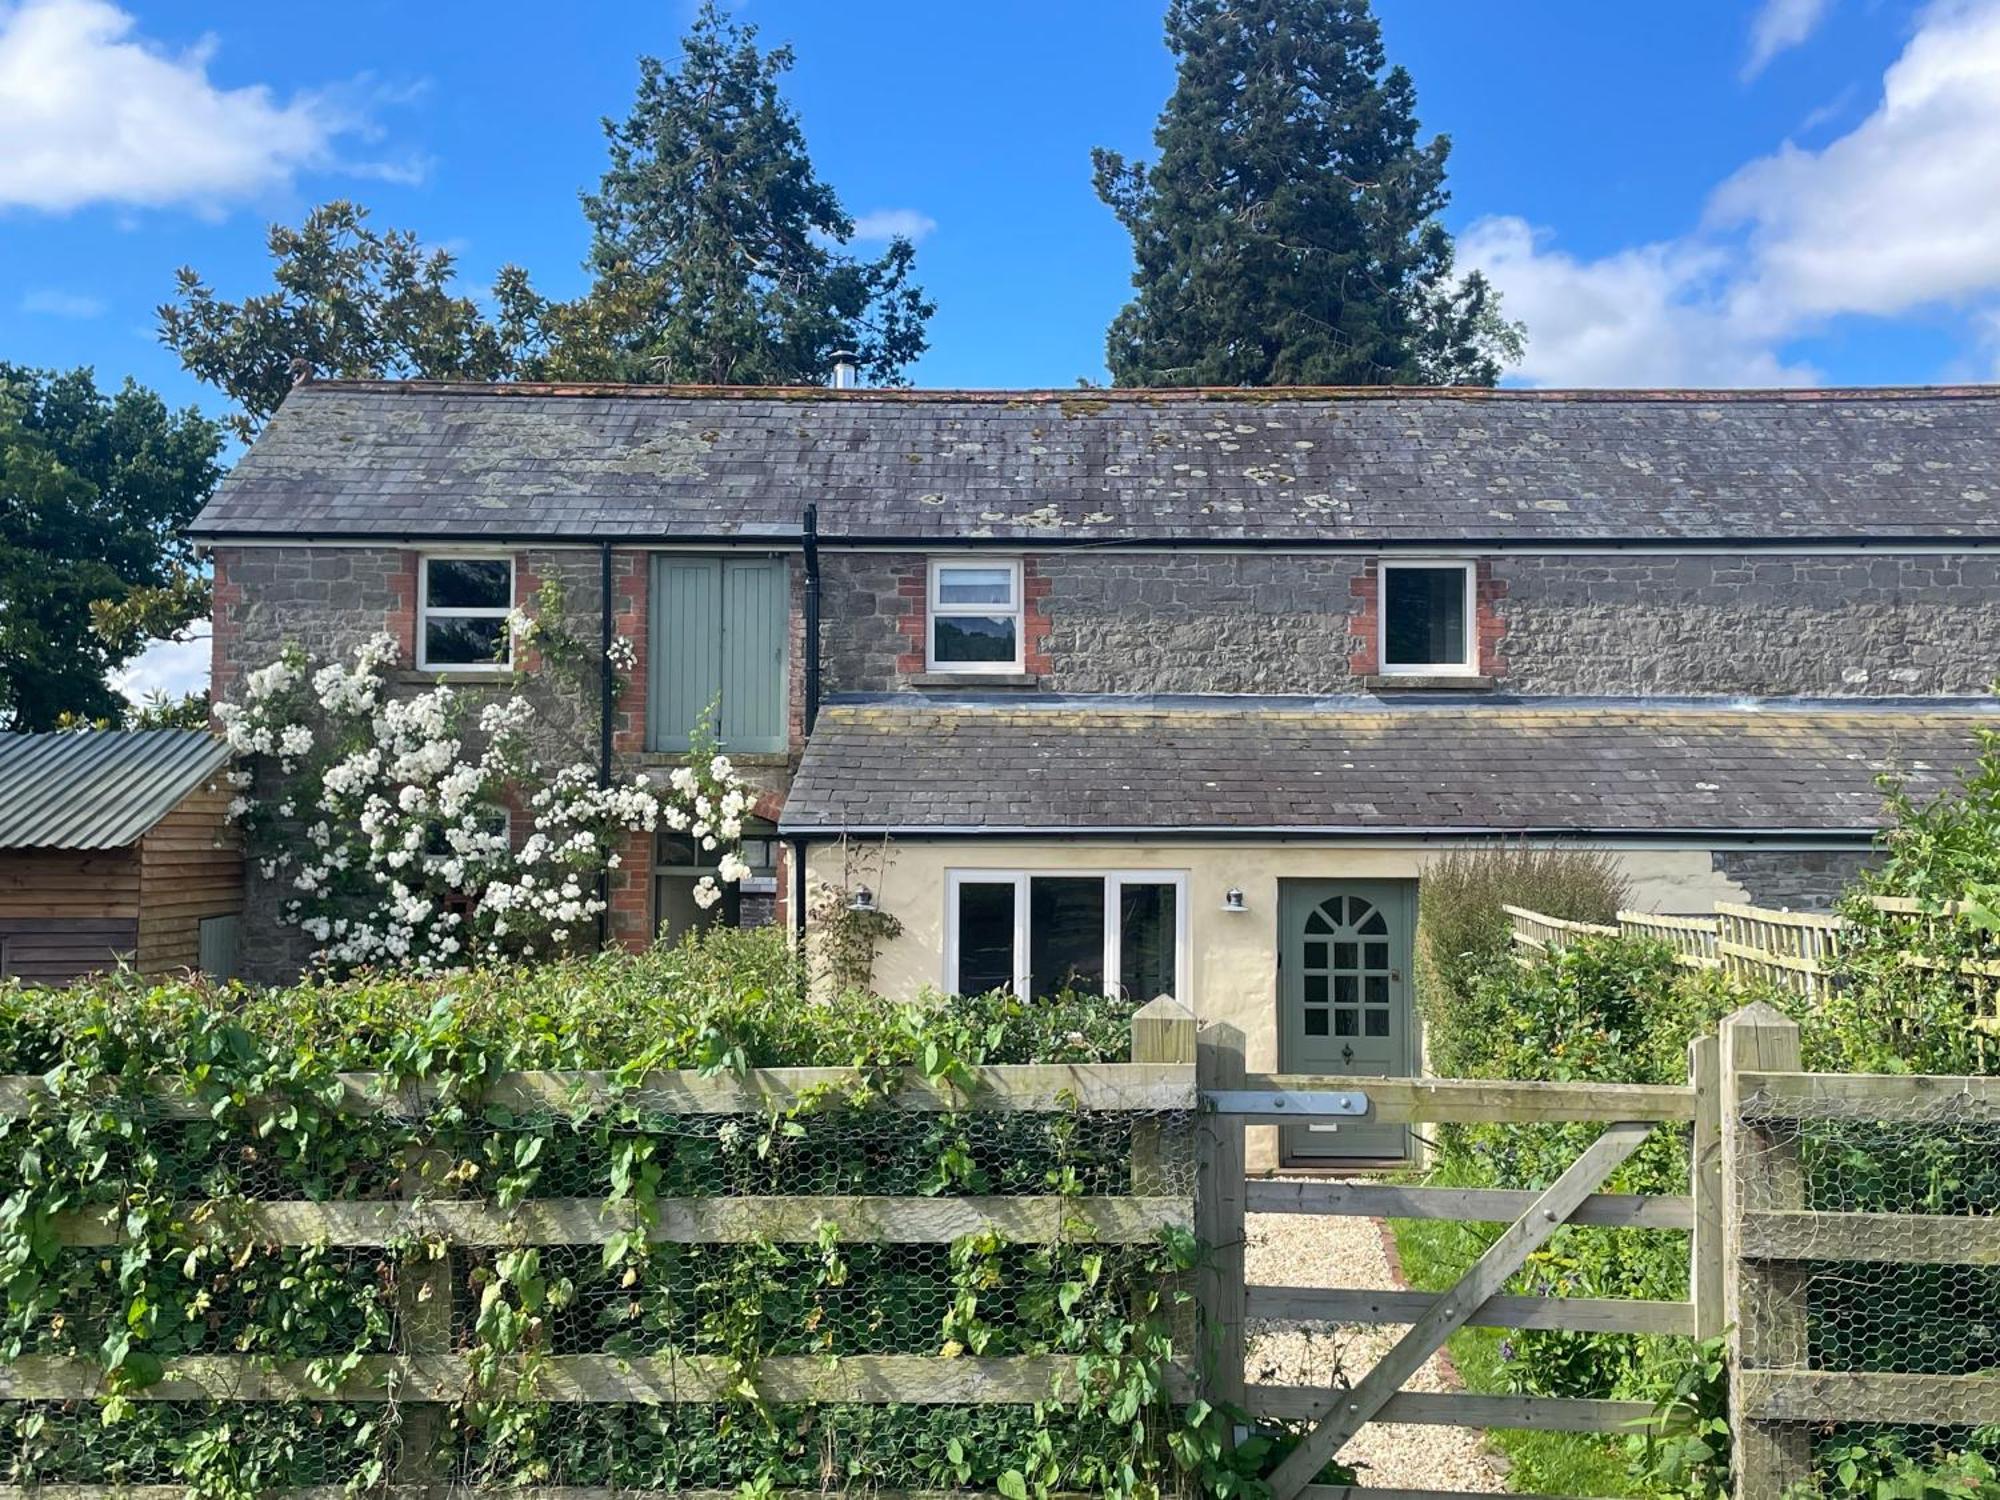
1176 691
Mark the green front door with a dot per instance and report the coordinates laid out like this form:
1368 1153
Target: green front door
1344 998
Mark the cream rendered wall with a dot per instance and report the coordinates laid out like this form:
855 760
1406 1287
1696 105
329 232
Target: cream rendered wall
1234 958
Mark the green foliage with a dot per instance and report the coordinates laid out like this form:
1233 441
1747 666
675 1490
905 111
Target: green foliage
1288 232
1685 1448
266 1064
718 251
1898 1004
348 301
94 491
1463 934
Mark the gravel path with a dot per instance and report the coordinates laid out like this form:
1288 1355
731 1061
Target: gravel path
1309 1250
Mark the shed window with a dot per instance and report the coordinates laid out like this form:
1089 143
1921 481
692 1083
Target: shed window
679 863
1122 933
1426 612
975 616
462 609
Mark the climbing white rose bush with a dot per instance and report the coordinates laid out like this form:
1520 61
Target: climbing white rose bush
389 817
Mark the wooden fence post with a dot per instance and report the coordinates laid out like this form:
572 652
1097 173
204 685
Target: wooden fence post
1705 1268
423 1326
1764 1302
1219 1193
1163 1031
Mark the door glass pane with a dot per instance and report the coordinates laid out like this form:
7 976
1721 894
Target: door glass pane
1378 1022
975 586
956 638
1315 955
1343 955
1315 1023
1378 989
1344 990
1146 946
1343 1023
1378 955
1065 934
1423 617
467 583
985 938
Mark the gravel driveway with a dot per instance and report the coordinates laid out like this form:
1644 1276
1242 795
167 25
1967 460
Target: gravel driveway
1310 1250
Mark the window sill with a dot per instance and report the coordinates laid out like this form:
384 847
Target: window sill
1443 682
431 676
743 759
975 679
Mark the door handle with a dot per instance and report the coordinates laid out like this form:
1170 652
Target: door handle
1347 1054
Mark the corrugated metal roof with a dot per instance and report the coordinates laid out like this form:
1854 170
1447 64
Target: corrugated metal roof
98 789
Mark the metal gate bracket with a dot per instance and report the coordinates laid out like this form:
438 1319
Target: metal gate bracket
1301 1103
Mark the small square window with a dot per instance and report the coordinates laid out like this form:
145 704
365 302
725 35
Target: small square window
1426 614
462 613
1315 1023
975 616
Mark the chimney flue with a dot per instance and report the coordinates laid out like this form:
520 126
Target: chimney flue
845 369
301 370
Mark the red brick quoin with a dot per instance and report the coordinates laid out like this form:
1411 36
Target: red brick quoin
1364 620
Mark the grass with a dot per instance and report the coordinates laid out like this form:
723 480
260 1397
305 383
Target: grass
1435 1253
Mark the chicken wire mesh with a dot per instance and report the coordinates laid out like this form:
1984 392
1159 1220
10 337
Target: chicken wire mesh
790 1287
1879 1289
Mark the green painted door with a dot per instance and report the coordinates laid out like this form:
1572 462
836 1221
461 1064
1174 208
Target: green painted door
1344 1001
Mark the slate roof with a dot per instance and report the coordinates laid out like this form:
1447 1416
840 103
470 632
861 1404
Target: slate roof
98 789
394 461
1360 766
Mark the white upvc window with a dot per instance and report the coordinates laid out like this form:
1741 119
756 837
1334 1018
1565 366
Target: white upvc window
975 615
1427 618
1041 932
463 600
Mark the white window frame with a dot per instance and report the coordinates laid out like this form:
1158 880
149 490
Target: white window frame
933 610
425 612
1466 668
1115 881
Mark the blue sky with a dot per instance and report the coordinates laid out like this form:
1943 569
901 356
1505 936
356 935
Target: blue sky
1703 193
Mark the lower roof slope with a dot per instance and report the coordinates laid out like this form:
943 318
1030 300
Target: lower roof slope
1358 766
98 789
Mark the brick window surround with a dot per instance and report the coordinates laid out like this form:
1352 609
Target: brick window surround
1365 619
913 595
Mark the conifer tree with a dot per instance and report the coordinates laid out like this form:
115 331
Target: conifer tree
1287 233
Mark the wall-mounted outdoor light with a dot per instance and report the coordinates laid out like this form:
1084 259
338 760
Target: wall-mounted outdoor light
1234 901
863 899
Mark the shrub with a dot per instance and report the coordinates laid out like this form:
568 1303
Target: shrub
1462 933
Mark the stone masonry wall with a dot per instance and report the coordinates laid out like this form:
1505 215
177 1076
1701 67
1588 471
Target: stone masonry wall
1802 880
1596 623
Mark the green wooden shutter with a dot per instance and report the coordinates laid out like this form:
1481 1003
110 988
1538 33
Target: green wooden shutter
754 652
684 652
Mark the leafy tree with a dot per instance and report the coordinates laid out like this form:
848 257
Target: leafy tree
348 302
717 251
1288 233
94 491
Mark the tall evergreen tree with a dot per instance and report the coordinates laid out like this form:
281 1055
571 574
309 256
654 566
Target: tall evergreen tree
718 252
1288 233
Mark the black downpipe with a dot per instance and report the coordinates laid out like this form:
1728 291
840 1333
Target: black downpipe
809 539
799 888
604 685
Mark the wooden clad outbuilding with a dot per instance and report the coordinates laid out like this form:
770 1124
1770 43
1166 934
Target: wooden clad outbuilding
115 847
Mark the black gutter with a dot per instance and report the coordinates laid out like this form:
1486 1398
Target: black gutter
809 537
1835 838
1538 543
604 687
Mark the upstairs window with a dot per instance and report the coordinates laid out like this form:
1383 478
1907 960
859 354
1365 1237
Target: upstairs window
462 608
975 616
1041 934
1427 612
720 645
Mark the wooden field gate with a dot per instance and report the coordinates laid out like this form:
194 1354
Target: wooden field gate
1629 1114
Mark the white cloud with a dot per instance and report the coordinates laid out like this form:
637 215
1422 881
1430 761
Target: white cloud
1901 213
1780 26
90 112
171 667
49 302
894 223
1649 316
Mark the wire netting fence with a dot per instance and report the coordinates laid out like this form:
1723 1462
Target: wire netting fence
846 1288
1869 1337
